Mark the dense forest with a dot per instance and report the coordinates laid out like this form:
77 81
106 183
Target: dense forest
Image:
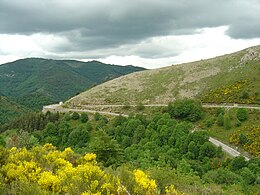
141 154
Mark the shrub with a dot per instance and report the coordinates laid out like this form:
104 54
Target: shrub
227 122
190 110
242 114
220 119
221 176
75 116
127 106
84 117
139 106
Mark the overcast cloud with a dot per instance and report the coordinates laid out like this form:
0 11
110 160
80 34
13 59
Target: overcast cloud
149 33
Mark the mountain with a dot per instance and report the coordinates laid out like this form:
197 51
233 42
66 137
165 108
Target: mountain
229 78
34 82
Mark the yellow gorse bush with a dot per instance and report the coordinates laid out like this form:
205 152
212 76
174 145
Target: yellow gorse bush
51 170
65 172
145 185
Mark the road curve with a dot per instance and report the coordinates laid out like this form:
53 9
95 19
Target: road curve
59 108
225 148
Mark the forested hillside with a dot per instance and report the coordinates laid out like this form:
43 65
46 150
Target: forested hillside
10 109
32 83
35 82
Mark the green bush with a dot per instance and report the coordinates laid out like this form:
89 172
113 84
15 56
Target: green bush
75 116
220 119
190 110
84 117
227 122
127 106
221 176
139 106
242 114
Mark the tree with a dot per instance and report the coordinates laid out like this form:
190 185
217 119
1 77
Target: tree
247 175
64 131
139 106
127 106
50 130
79 136
84 117
238 163
2 141
221 176
243 139
190 110
227 122
220 120
207 150
108 151
75 116
242 114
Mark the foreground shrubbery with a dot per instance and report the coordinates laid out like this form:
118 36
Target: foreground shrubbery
46 170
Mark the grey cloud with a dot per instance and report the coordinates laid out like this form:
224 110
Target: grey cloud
100 24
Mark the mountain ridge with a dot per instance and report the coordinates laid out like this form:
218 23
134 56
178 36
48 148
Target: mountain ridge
54 80
204 79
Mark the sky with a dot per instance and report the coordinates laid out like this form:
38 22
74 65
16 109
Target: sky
147 33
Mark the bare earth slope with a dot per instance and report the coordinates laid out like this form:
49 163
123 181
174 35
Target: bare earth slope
225 78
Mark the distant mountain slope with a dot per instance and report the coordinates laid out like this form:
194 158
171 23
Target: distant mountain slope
35 81
229 78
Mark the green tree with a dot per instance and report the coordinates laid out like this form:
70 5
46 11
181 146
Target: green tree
207 150
220 119
140 106
84 117
242 114
238 163
108 151
2 141
79 136
227 122
187 109
242 139
64 131
127 106
247 175
50 130
221 176
75 116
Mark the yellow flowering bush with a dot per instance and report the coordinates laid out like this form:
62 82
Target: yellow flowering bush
145 185
49 181
170 190
52 171
230 94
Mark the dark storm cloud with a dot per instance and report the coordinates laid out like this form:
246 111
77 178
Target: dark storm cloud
97 24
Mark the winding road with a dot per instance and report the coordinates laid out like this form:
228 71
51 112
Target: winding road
232 152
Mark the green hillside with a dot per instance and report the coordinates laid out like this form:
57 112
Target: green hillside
9 110
230 78
34 82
